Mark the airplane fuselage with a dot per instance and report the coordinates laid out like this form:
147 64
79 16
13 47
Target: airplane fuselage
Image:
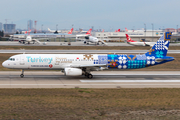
28 38
142 43
61 61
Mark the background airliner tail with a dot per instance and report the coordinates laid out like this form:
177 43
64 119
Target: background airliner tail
70 32
126 29
89 32
129 39
160 49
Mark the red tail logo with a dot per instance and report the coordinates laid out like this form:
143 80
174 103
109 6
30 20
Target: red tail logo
126 29
117 30
129 39
103 30
89 32
28 32
70 32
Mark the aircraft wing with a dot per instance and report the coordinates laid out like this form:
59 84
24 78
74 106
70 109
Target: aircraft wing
36 41
89 66
81 35
103 42
22 39
150 43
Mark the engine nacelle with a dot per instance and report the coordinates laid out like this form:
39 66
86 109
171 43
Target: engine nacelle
86 37
72 71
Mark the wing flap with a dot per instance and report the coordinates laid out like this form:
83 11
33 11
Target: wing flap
85 66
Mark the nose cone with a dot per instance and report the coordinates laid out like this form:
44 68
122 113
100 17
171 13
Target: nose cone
4 64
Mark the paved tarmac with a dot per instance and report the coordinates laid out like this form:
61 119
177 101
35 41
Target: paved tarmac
102 79
78 43
81 51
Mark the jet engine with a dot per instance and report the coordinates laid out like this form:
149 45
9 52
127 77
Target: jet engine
86 37
72 71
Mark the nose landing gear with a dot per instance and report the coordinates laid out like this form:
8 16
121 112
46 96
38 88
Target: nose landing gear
22 74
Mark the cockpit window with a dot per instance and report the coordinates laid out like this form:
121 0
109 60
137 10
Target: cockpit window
11 59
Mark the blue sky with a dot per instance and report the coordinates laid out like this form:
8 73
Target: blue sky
102 14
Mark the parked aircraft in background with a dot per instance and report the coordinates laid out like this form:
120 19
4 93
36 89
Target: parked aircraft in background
81 36
132 42
91 39
126 29
52 31
70 32
117 30
83 64
29 39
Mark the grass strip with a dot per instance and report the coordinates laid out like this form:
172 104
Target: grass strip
75 104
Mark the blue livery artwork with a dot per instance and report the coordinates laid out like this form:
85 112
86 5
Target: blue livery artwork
156 55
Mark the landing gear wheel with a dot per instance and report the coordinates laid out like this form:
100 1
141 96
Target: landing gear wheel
90 76
21 75
86 74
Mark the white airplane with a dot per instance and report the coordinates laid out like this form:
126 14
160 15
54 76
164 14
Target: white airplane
93 40
132 42
54 30
83 64
29 40
83 35
90 39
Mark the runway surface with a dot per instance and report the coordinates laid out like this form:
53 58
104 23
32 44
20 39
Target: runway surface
80 51
78 43
102 79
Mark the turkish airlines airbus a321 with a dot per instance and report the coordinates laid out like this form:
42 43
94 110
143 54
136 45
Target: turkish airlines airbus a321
83 64
132 42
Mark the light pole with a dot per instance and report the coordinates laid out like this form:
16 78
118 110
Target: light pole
145 30
56 27
152 32
177 29
42 28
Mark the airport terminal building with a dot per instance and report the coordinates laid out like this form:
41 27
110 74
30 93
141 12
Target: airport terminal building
136 35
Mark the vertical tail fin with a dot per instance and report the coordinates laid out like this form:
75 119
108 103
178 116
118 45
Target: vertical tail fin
118 30
70 32
89 32
126 29
161 47
103 30
129 39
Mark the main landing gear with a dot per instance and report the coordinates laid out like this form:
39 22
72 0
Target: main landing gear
22 74
89 75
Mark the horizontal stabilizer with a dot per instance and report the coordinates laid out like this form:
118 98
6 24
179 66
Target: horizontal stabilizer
165 58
